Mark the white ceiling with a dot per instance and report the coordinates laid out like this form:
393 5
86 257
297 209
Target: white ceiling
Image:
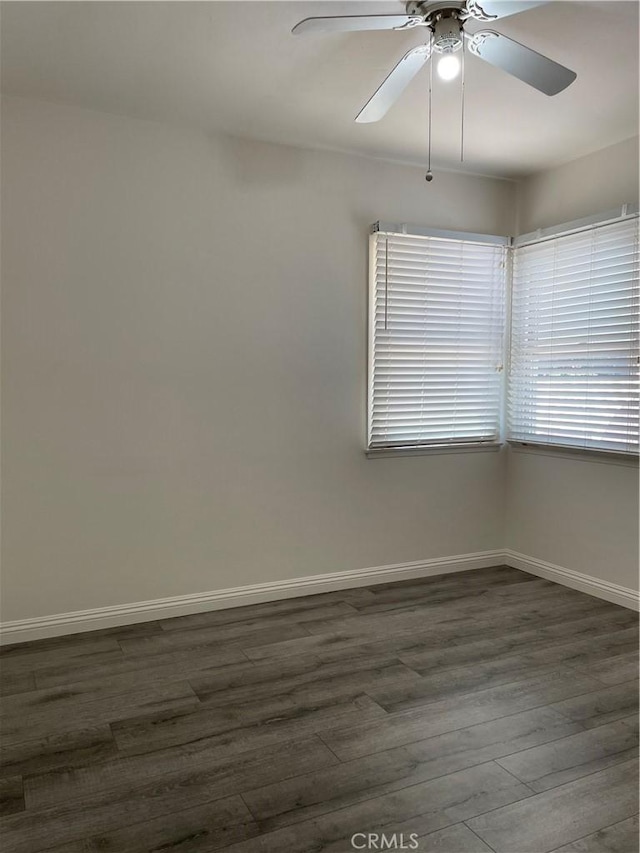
235 66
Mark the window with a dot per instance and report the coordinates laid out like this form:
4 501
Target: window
436 339
574 346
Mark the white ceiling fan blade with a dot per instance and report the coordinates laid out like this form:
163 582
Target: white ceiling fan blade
353 23
394 85
490 10
533 68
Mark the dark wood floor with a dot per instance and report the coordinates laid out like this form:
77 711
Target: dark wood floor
488 710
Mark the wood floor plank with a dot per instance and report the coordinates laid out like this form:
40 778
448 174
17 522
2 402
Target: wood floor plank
321 791
554 780
148 668
421 635
17 660
69 716
78 846
196 830
450 588
619 838
232 735
454 839
520 604
414 586
67 647
11 795
562 815
590 627
248 680
20 682
355 596
458 681
421 809
122 676
447 715
547 766
264 615
175 778
58 750
293 606
612 670
602 706
60 699
505 669
319 683
260 679
63 829
633 722
230 720
584 653
69 641
247 630
236 634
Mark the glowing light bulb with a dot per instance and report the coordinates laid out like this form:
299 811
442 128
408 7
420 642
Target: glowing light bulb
448 66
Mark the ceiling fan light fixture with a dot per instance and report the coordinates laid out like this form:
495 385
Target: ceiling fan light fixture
448 66
445 22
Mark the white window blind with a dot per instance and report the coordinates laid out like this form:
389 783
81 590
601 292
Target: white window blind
436 340
574 340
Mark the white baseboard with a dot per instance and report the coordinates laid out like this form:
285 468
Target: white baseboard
23 630
576 580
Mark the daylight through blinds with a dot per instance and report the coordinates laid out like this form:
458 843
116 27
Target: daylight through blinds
436 340
574 340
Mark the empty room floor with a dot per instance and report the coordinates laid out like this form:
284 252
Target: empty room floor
479 711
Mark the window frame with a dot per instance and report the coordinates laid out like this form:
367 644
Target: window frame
589 223
626 211
446 446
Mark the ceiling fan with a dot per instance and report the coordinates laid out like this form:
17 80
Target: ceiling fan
446 22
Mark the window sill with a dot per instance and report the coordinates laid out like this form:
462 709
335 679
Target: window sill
424 450
580 454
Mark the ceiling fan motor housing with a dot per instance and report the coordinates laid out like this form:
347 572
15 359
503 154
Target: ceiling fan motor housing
444 18
447 34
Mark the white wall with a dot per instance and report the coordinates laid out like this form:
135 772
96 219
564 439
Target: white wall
575 512
184 324
598 182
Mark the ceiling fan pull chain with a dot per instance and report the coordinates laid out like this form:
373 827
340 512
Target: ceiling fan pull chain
462 107
429 176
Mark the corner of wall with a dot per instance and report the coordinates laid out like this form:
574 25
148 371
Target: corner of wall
588 185
576 513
